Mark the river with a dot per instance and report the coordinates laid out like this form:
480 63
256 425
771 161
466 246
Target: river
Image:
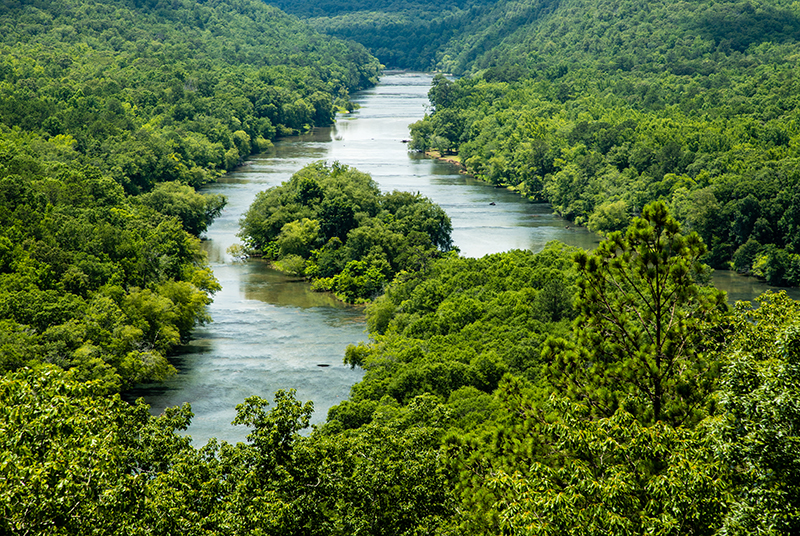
270 332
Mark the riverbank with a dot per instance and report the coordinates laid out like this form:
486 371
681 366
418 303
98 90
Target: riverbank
738 286
271 331
452 159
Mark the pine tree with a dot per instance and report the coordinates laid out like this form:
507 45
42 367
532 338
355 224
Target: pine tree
641 329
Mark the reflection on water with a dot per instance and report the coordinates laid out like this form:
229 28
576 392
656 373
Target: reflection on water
271 332
741 288
270 286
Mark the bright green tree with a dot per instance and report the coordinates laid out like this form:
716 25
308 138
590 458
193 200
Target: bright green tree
758 433
610 216
74 462
196 211
615 476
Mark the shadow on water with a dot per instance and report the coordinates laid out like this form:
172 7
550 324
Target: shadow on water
261 283
179 361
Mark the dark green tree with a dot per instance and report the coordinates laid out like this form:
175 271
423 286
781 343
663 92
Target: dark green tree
333 225
642 322
610 481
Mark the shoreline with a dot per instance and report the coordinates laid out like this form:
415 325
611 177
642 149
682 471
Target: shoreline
452 159
792 292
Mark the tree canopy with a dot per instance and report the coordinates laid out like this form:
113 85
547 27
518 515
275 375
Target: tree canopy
600 109
155 91
111 114
459 425
557 392
333 225
92 280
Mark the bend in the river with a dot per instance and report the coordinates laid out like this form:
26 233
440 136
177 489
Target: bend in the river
270 332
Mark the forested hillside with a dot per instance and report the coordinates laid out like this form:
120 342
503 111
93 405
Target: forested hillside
629 35
154 91
600 108
460 36
111 112
403 35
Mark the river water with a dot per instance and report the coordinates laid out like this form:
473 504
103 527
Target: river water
270 332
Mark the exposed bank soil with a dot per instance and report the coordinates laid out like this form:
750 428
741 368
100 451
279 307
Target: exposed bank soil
453 159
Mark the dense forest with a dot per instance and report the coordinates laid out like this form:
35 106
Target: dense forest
111 113
552 393
558 392
600 109
403 35
157 91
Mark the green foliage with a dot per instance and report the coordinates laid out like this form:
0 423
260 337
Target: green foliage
388 477
461 323
516 37
385 478
333 224
746 255
298 237
358 279
429 442
777 266
506 439
569 104
451 430
152 92
643 325
457 332
73 462
107 98
757 436
404 35
91 280
76 463
195 211
617 477
609 217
